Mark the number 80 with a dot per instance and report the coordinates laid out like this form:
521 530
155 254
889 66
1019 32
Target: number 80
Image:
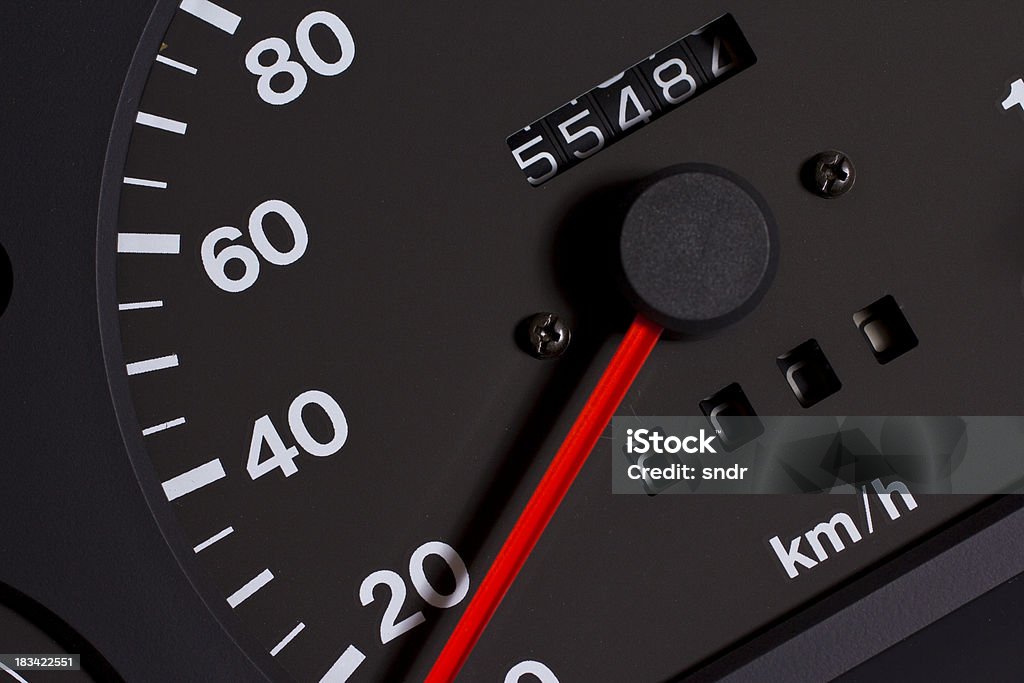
283 64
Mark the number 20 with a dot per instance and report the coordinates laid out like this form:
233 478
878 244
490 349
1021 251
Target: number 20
282 63
390 627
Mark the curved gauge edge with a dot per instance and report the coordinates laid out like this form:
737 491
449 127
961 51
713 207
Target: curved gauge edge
110 332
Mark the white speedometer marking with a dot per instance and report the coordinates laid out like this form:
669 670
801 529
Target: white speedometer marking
194 479
148 243
346 665
287 639
142 182
152 365
212 14
163 426
1016 98
12 673
139 305
213 539
249 589
161 123
180 66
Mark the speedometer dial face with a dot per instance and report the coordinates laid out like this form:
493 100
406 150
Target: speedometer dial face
323 247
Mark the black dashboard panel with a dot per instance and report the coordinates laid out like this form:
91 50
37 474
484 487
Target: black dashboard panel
88 531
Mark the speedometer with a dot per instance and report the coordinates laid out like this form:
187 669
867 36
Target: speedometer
360 264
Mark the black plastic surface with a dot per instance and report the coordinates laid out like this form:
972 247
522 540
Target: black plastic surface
699 248
978 642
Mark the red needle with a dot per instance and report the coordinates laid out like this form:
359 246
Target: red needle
585 432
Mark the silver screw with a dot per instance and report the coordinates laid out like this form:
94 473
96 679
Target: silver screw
834 174
547 336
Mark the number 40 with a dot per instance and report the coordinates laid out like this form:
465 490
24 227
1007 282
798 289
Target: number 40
282 457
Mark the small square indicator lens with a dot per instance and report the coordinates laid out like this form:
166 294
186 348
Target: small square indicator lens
809 374
885 329
732 417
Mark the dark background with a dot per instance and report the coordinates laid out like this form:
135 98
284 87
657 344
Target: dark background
93 554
